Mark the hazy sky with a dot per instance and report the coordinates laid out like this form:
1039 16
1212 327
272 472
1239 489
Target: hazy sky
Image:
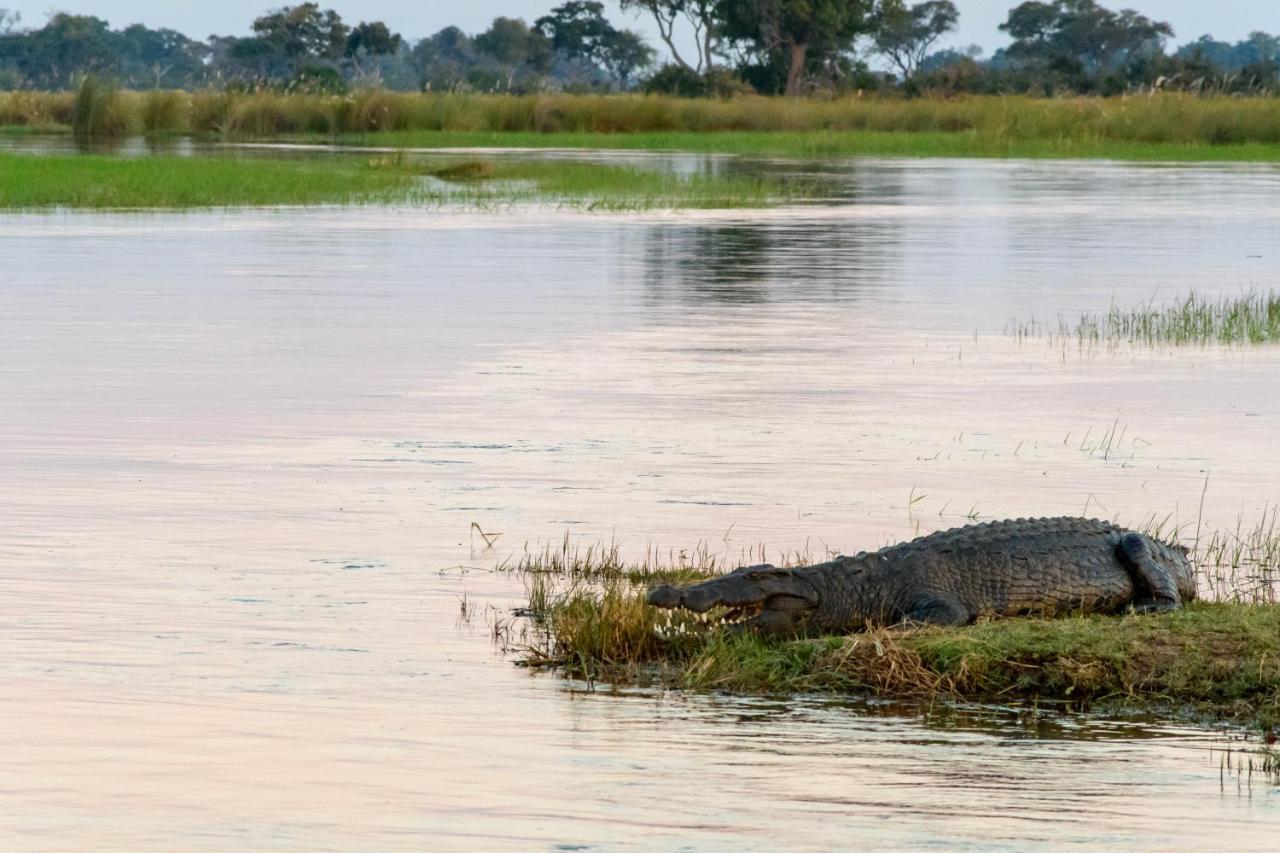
1225 19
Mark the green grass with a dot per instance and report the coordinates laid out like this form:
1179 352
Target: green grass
822 144
1248 319
98 182
33 183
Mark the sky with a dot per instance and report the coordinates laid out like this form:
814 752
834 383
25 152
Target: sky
1226 19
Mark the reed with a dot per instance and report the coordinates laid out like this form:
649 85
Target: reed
100 110
1166 125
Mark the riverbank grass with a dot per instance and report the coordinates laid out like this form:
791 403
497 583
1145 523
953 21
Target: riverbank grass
1165 127
1218 659
101 182
588 618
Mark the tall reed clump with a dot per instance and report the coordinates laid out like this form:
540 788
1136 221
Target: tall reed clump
100 110
165 111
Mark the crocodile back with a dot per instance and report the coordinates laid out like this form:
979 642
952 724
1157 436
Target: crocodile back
1041 565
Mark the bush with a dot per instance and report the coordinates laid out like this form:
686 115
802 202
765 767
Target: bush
677 80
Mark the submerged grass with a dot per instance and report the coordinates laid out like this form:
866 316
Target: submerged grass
1162 127
1251 318
1220 657
42 182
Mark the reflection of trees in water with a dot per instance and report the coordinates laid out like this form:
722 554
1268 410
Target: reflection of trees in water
746 263
132 146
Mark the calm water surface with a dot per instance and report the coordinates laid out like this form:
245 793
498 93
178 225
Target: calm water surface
240 454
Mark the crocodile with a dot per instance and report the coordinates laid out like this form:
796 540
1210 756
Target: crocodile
1022 567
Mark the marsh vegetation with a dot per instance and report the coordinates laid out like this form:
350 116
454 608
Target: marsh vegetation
1169 126
1248 318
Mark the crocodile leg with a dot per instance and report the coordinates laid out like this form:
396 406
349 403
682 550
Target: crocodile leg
933 609
1134 553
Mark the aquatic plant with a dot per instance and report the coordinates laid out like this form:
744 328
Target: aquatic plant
1249 318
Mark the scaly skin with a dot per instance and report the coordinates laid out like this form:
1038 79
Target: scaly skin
1041 567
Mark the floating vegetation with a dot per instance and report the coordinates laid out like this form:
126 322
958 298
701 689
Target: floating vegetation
1248 319
587 616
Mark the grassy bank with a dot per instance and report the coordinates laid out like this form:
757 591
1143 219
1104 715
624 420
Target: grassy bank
1218 658
1168 126
36 183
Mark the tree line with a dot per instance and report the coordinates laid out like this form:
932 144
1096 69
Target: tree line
712 47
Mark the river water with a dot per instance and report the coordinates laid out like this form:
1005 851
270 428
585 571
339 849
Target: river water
241 454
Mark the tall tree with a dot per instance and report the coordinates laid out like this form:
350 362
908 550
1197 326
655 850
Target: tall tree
516 48
796 32
699 15
906 34
1082 32
371 38
304 32
579 31
625 53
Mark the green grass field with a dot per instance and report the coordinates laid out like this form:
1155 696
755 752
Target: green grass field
100 182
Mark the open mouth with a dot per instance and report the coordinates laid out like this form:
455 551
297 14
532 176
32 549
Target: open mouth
676 622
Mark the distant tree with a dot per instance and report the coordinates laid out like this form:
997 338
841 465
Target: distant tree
949 56
579 31
1258 49
64 49
625 53
367 43
796 35
304 33
699 15
371 38
250 58
443 59
161 58
906 34
9 21
516 48
1080 34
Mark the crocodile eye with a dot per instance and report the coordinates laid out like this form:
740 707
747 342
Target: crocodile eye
755 576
